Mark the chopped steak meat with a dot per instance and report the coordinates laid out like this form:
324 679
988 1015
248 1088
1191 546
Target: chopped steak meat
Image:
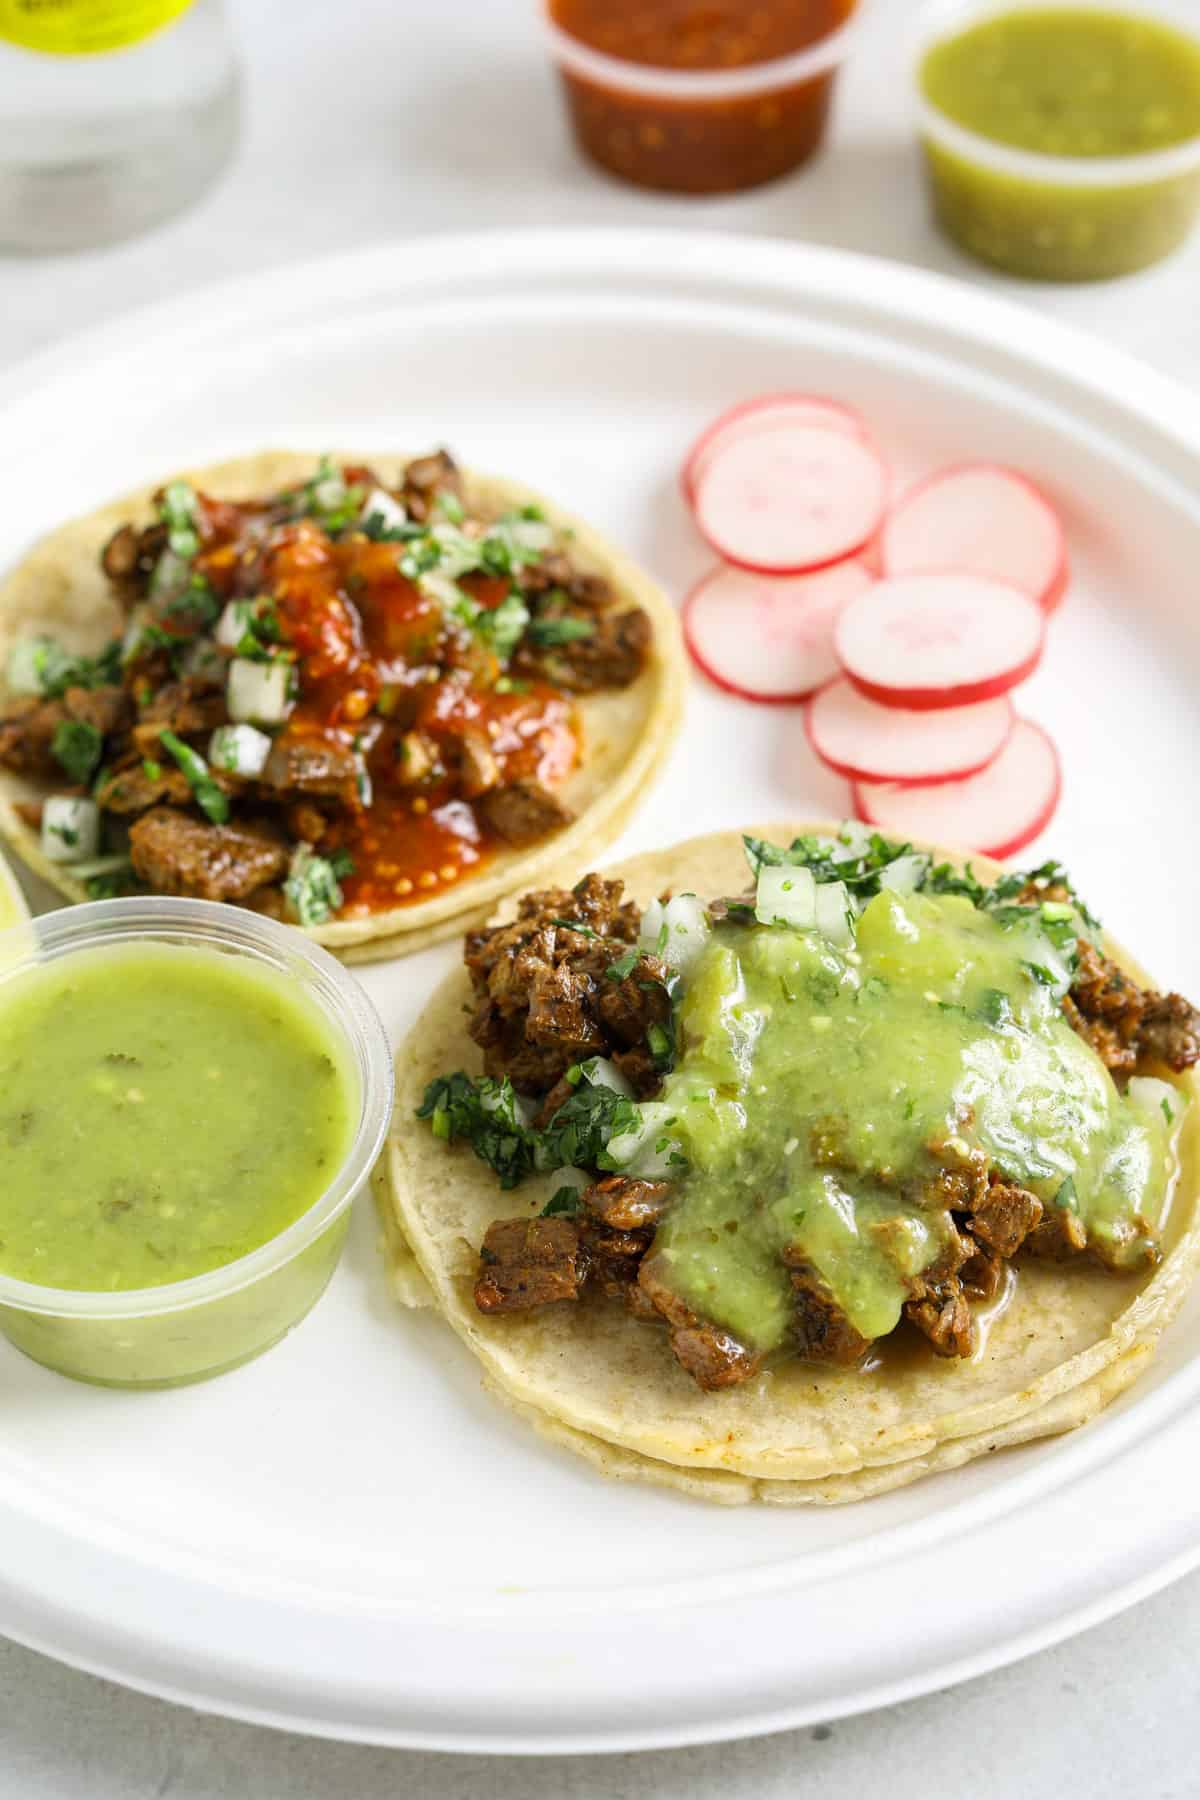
523 812
944 1316
177 854
822 1331
28 727
545 999
611 654
131 789
188 708
297 766
527 1263
712 1357
1170 1031
426 477
1005 1217
1129 1026
626 1203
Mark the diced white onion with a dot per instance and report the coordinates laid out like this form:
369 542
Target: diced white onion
70 828
905 875
532 534
170 572
835 912
568 1177
22 673
521 1108
329 494
852 840
257 692
653 920
646 1149
786 896
235 621
602 1073
239 749
380 504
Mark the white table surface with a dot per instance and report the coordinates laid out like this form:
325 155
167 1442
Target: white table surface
374 118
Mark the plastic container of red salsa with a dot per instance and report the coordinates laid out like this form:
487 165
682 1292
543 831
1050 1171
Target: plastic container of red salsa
699 99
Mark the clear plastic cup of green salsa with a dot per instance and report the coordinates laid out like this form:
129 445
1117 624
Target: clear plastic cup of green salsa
1061 139
191 1096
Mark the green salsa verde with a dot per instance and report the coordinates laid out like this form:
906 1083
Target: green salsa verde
813 1079
1074 83
1069 82
163 1111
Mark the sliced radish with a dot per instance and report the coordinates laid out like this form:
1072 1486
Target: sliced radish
769 410
859 738
983 520
791 499
996 813
939 640
769 638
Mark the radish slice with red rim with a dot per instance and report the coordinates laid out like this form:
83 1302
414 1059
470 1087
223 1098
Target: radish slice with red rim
980 519
769 638
767 411
996 813
939 640
864 741
790 499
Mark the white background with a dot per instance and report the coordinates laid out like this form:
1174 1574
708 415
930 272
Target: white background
379 118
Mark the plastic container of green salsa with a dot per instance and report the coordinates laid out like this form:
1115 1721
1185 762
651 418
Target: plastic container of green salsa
192 1096
1062 139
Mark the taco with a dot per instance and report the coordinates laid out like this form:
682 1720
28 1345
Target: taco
367 698
799 1191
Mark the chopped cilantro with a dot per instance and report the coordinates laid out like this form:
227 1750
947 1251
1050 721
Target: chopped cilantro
624 965
196 602
151 770
342 864
995 1007
563 1203
661 1044
483 1112
77 746
212 800
1167 1110
450 507
574 925
311 888
548 633
502 626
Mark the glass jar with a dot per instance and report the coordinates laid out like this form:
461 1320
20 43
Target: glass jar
114 114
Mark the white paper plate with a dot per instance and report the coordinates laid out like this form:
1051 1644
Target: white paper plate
347 1537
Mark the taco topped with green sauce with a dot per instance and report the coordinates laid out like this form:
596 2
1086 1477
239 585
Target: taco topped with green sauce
872 1103
363 696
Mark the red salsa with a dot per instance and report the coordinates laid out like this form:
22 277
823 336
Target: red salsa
701 144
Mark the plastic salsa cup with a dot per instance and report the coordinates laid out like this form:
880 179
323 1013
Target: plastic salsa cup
697 130
199 1326
1046 216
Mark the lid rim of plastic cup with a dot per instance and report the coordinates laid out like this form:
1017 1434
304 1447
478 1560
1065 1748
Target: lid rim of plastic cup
656 82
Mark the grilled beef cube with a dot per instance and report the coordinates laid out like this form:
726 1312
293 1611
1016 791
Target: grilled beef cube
525 1263
1060 1236
626 1203
558 1012
26 734
1170 1032
611 655
297 766
27 729
177 854
640 1070
132 790
107 710
524 812
821 1331
129 559
1005 1217
425 478
710 1355
188 708
306 824
613 1257
945 1318
627 1008
1113 1043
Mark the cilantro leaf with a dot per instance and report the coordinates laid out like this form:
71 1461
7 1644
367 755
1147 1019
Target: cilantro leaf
549 633
211 799
564 1203
77 746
